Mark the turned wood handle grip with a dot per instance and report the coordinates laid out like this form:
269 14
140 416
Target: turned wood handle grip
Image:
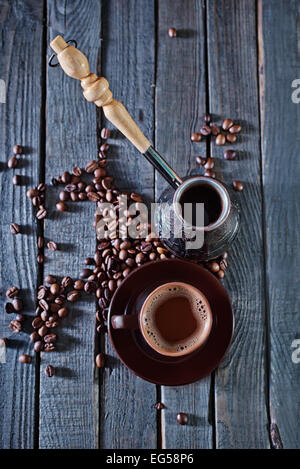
96 90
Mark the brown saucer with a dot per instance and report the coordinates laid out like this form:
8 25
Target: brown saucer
135 353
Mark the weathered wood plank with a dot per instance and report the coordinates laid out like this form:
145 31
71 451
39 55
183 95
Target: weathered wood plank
69 401
128 418
240 385
21 33
180 107
279 33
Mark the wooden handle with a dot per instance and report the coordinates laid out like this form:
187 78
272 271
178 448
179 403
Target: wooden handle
96 90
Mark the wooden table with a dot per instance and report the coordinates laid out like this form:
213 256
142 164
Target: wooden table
233 58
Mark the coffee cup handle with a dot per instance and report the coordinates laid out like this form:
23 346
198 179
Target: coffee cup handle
125 321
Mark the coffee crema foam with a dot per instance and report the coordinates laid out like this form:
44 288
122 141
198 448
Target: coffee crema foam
199 307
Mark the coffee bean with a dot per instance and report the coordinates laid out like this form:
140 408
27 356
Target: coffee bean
182 418
44 304
209 163
220 274
12 162
41 213
55 289
41 187
12 291
231 138
196 137
235 129
24 358
42 331
42 292
74 196
70 188
64 196
73 296
17 180
40 258
227 123
38 346
31 193
15 228
85 273
230 155
201 160
50 338
238 186
172 32
205 130
50 279
63 312
101 329
40 242
9 309
220 140
49 371
92 166
49 347
215 129
210 173
207 118
17 150
54 182
37 323
100 360
100 173
78 285
89 287
52 246
105 133
104 147
66 282
136 197
34 337
93 196
213 267
17 304
66 177
223 264
159 406
44 316
62 207
15 326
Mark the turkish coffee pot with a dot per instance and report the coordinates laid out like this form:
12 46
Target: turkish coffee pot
183 236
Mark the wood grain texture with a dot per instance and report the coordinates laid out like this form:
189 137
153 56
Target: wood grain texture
128 418
20 123
240 385
69 404
180 108
279 34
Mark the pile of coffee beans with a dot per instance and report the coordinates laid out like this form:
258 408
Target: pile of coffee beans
227 133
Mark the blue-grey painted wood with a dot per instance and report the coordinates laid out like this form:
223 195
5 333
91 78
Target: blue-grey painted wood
128 418
241 380
279 32
180 109
69 401
21 33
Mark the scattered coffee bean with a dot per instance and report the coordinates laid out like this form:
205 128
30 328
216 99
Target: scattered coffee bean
78 285
17 150
17 304
213 267
215 130
17 180
227 123
63 312
55 289
182 418
40 259
64 196
12 162
66 282
66 177
205 130
12 291
105 133
231 138
207 118
38 346
201 160
172 32
235 129
73 296
159 406
220 140
220 274
41 213
15 228
49 371
24 358
62 207
52 246
209 164
196 137
100 360
210 173
34 337
40 242
229 154
9 309
238 186
15 326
